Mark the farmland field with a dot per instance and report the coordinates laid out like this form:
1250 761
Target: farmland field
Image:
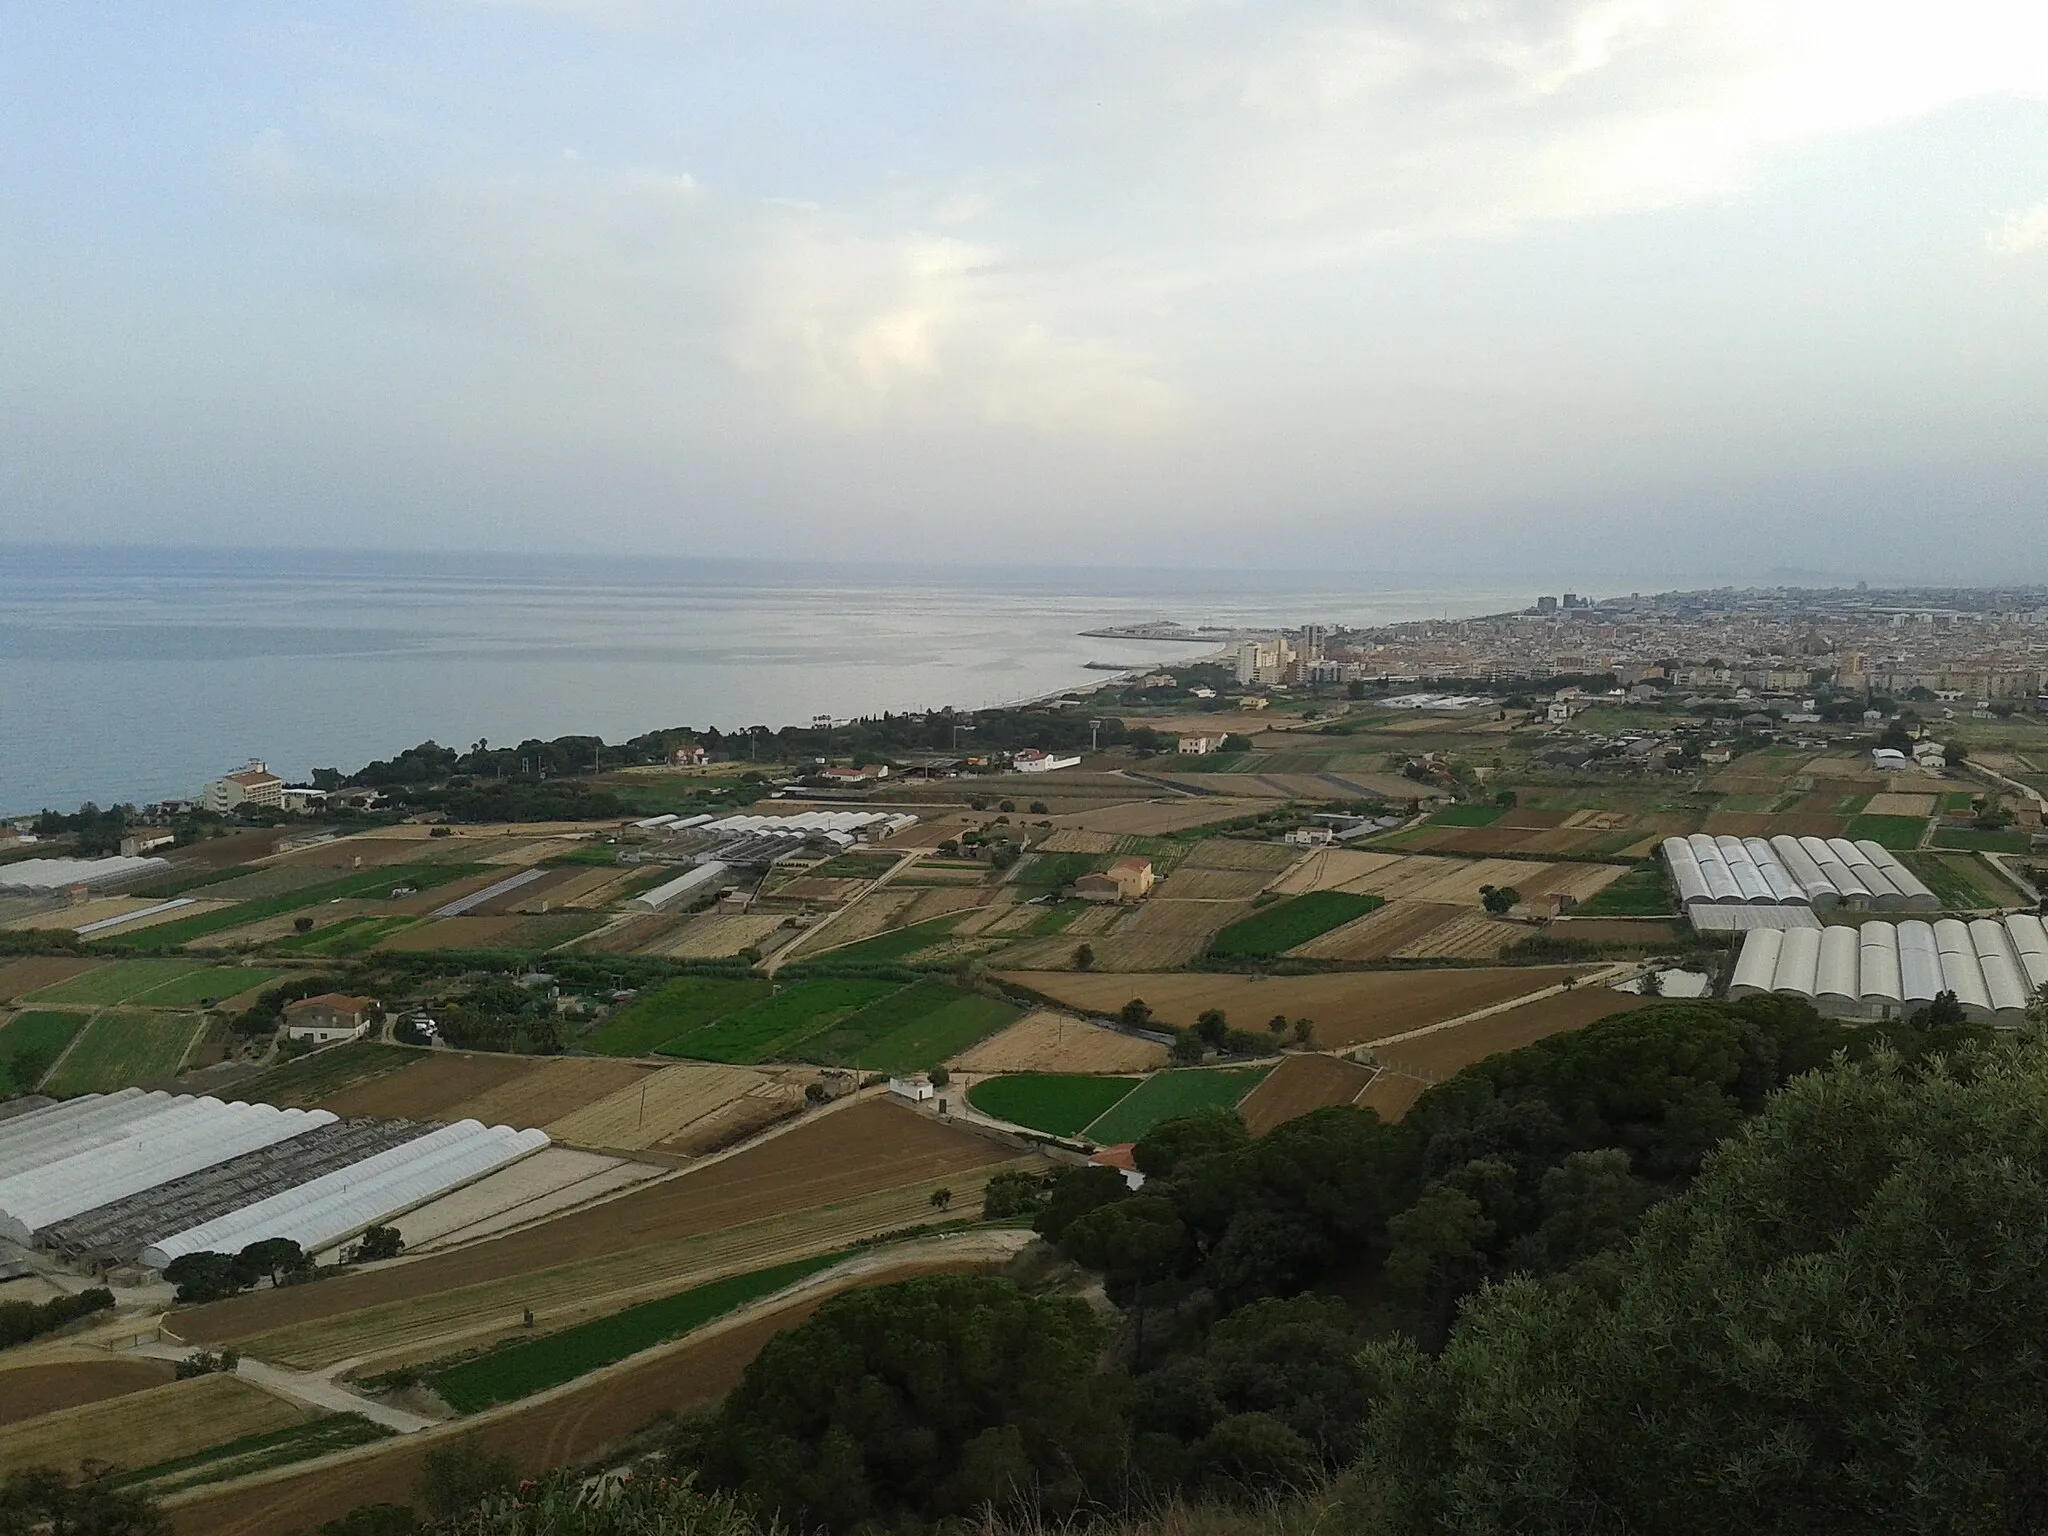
250 1454
1468 816
1045 1041
552 1180
41 1034
884 948
120 1050
777 1025
1278 928
1055 1103
715 937
361 883
833 1156
1644 891
523 1368
670 1010
1897 833
311 1080
210 985
117 983
1436 1056
1347 1009
30 1391
912 1030
1168 1095
429 1087
1391 1095
656 1107
1298 1085
1980 841
141 1429
554 1087
18 977
1960 881
351 936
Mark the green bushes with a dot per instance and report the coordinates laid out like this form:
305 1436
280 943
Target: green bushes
21 1321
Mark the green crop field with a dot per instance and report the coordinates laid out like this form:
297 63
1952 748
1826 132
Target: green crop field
857 866
886 948
35 1040
258 1453
777 1025
912 1030
305 1082
1276 929
669 1010
206 986
1642 892
122 1050
1897 833
1960 881
1957 801
368 884
1055 1103
1468 816
1978 841
528 1366
1169 1095
116 983
350 936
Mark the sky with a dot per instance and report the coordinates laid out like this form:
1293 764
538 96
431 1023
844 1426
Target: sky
1722 288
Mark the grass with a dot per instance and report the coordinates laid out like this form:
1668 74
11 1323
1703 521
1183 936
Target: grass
1169 1095
670 1010
528 1366
120 1050
1467 816
912 1030
1980 841
1897 833
1056 1103
259 1453
1278 928
1958 881
369 883
777 1025
116 983
315 1077
1642 892
887 948
40 1033
207 986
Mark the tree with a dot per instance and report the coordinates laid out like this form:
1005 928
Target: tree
1014 1192
941 1198
208 1276
1277 1025
940 1077
1650 983
1038 808
1505 799
1187 1049
1007 807
1084 956
1164 1148
1235 742
1498 899
1865 1359
1211 1026
1075 1192
1945 1012
377 1243
91 1503
1438 1253
275 1257
1304 1032
302 925
455 1477
1134 1014
934 1398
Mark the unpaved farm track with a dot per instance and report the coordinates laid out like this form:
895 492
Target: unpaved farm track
840 1154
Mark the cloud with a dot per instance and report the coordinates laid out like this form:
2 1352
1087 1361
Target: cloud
2018 233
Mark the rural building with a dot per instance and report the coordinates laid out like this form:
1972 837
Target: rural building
689 757
1125 880
253 784
1124 1160
917 1088
1031 760
329 1017
135 844
855 775
1311 837
1200 746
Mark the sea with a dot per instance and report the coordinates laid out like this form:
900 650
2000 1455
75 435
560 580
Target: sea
135 675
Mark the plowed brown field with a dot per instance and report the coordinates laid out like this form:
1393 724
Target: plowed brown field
1045 1041
1298 1085
1378 934
33 1390
141 1429
429 1089
549 1091
1436 1056
32 975
1392 1095
873 1145
1348 1009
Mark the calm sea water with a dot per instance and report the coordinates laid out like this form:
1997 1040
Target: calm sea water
136 675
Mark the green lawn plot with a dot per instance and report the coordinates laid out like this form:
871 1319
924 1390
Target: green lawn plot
1169 1095
1276 929
857 866
1057 1103
1979 841
670 1010
528 1366
1051 871
258 1453
302 1084
911 1030
1957 802
367 884
1959 880
888 948
779 1025
124 1049
1467 816
117 983
1643 892
30 1043
1897 833
350 936
205 986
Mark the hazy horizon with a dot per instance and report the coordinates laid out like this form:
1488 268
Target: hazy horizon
1523 288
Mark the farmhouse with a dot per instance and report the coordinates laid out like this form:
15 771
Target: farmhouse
1031 760
916 1087
1125 880
329 1017
1200 746
1124 1160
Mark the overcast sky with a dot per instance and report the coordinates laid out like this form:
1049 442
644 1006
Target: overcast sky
1711 287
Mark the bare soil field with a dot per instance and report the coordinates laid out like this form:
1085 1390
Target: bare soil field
1378 934
79 914
1159 935
1433 878
570 1427
637 936
32 975
1392 1094
654 1107
355 853
553 1179
1299 1084
1901 805
863 920
713 937
942 874
941 902
1074 840
1191 883
550 1090
838 1155
732 1123
452 933
1647 931
1348 1009
1046 1041
1468 936
1154 818
1434 1057
819 888
30 1391
431 1087
1237 853
1332 868
140 1429
270 929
